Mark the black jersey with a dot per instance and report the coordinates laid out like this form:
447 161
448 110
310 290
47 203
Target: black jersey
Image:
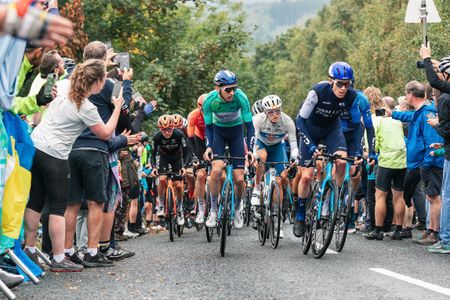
172 148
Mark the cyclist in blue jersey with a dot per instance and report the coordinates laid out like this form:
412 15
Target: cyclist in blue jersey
318 121
226 110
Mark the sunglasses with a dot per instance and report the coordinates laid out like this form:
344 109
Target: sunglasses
166 129
273 112
230 89
341 84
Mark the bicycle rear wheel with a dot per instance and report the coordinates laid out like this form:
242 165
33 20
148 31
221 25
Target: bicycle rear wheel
224 218
247 211
323 226
310 213
209 230
170 216
261 224
275 215
343 215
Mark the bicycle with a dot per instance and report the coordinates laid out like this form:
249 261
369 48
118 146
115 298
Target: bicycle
172 210
269 211
321 207
288 199
249 176
344 205
225 213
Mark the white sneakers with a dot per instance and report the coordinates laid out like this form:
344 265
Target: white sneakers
180 219
212 220
160 213
200 216
255 198
281 231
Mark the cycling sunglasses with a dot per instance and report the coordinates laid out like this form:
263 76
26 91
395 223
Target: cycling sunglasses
341 84
229 89
273 112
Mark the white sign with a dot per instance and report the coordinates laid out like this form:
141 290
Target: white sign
413 12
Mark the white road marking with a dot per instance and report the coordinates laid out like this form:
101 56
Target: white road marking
423 284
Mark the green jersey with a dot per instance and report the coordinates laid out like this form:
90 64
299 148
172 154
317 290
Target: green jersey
227 114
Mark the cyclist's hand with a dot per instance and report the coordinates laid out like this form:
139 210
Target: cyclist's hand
182 172
154 173
436 145
315 151
208 155
358 160
195 162
250 158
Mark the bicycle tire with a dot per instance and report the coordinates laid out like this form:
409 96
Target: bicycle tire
310 212
248 193
170 214
209 230
262 226
343 215
224 218
275 216
324 224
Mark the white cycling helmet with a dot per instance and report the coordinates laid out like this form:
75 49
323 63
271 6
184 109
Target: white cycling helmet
271 102
257 107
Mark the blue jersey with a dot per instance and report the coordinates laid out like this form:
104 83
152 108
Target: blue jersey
323 109
360 108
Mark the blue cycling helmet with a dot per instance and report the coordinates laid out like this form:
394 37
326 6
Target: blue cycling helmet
341 70
225 77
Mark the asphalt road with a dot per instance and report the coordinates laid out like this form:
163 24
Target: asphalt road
190 267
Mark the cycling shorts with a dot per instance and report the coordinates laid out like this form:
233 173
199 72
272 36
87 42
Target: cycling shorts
275 153
390 178
234 138
174 165
199 147
331 136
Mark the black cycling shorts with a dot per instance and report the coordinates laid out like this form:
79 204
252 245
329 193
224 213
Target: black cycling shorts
174 165
432 180
199 147
390 178
50 182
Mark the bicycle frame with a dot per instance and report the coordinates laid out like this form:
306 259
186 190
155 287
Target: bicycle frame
328 178
229 180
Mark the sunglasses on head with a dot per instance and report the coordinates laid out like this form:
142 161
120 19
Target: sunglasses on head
341 84
229 89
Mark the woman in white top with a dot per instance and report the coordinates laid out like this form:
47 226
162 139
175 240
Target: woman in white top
67 116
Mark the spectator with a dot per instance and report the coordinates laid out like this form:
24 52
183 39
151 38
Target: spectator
67 116
437 81
420 163
389 102
443 128
391 167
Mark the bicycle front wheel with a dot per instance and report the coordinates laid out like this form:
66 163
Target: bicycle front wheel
225 221
323 226
343 216
310 213
275 215
170 214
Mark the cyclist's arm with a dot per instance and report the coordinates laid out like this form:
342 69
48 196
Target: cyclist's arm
187 157
207 116
257 121
292 135
247 118
190 130
364 107
304 113
356 124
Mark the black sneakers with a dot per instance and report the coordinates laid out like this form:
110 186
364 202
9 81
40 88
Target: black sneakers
98 260
373 235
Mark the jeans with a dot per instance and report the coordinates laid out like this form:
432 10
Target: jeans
445 210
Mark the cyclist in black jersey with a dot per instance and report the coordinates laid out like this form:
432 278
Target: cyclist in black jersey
170 145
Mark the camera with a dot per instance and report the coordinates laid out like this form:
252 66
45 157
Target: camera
420 64
51 80
123 60
380 112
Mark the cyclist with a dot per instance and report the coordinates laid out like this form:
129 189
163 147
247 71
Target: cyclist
319 120
257 107
181 123
226 110
196 135
170 144
271 127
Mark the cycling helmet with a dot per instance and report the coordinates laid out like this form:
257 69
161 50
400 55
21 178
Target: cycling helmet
177 121
257 107
444 65
271 102
225 77
69 64
165 121
340 70
200 100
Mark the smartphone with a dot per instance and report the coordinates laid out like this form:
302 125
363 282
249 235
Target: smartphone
123 60
117 88
380 112
51 81
137 97
431 115
108 45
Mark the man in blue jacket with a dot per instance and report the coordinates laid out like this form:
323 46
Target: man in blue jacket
420 136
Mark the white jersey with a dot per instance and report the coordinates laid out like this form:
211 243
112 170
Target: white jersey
273 133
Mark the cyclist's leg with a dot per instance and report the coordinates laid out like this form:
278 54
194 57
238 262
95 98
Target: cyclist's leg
335 142
235 139
200 179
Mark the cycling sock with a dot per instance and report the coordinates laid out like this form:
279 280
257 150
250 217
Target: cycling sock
201 204
214 199
237 203
300 214
104 246
70 251
257 189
